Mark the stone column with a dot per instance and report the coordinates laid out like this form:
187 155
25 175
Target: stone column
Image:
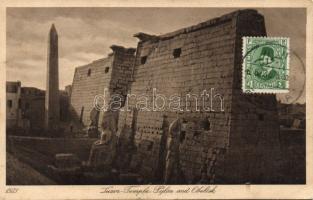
52 104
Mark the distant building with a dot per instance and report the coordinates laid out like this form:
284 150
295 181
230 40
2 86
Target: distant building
13 95
297 110
68 90
25 108
32 108
289 113
64 105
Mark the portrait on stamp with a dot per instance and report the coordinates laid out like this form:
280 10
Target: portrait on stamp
265 65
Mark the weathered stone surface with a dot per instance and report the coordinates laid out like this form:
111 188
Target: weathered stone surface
112 73
103 151
210 57
52 101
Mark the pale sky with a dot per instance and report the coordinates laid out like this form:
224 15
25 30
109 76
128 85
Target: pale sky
86 34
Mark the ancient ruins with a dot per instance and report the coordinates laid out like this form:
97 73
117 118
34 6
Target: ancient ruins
234 140
110 75
232 146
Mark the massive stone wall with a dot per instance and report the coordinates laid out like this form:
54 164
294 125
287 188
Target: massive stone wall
111 73
253 151
86 86
202 57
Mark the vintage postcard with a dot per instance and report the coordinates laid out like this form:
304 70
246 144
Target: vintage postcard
156 100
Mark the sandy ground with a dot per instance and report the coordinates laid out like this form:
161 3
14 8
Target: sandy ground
28 158
16 171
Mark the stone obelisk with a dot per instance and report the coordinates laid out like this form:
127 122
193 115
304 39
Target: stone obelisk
52 104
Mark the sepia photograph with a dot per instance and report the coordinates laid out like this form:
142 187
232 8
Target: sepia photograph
155 99
122 96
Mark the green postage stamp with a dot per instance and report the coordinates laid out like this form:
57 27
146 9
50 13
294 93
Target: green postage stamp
265 65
